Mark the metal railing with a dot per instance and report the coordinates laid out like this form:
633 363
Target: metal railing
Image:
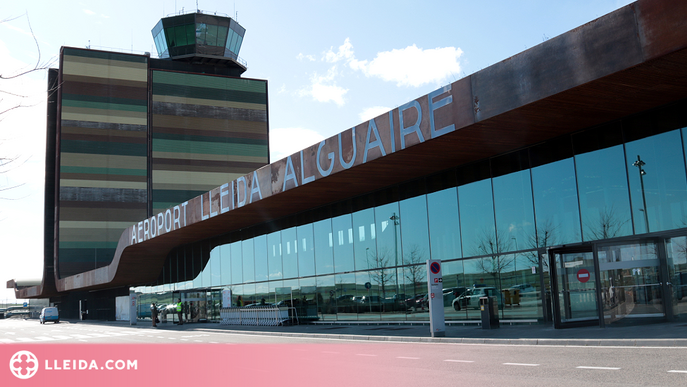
257 315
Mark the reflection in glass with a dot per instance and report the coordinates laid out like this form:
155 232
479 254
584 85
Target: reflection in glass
630 281
325 297
364 234
260 251
324 242
236 263
289 248
225 265
444 225
514 210
248 261
555 203
343 298
274 263
477 218
656 168
343 243
414 231
306 251
604 199
387 221
215 268
676 254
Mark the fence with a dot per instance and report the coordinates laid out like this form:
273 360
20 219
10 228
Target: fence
257 315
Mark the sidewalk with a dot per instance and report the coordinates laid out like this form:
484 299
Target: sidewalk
671 334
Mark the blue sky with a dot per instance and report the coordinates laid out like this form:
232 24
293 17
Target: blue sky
330 65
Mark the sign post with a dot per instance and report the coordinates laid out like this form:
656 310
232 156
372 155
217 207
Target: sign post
435 287
132 309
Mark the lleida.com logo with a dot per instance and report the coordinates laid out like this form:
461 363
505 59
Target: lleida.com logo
24 365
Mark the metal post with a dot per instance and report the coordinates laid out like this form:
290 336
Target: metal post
639 164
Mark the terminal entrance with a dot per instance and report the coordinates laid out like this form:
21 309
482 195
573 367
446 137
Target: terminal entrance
574 288
614 284
631 283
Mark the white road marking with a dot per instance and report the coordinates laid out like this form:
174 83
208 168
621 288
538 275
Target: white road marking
364 354
599 368
459 361
522 364
679 371
44 338
24 339
407 357
61 337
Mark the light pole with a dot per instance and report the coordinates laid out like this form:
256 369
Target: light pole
394 218
639 164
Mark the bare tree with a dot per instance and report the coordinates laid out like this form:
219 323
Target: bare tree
416 273
495 261
381 275
11 100
608 225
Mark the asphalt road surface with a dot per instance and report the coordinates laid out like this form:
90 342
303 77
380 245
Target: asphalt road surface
358 362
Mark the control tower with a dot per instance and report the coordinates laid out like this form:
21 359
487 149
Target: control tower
200 38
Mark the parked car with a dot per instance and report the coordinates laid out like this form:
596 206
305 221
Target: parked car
470 298
49 314
523 288
451 294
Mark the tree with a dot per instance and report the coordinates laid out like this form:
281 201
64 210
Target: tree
416 272
608 225
12 98
495 261
381 275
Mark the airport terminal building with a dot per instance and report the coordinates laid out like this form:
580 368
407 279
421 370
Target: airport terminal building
556 180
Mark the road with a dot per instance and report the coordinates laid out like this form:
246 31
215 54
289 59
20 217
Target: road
403 363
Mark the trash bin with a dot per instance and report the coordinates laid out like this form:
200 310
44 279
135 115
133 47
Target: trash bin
490 313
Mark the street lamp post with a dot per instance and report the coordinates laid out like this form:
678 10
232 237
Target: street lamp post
394 218
639 164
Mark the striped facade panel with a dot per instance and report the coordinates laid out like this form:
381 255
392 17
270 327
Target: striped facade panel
206 130
103 154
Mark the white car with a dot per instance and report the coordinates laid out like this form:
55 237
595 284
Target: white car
49 314
470 298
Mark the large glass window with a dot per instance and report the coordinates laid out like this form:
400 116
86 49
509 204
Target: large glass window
215 268
324 243
385 277
225 266
444 224
555 203
477 219
248 261
414 230
514 211
604 199
343 243
658 188
260 251
236 263
274 252
289 248
306 250
364 234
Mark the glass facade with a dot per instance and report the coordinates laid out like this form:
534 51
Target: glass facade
490 223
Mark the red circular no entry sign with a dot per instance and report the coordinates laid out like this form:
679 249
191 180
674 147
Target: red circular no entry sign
583 275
